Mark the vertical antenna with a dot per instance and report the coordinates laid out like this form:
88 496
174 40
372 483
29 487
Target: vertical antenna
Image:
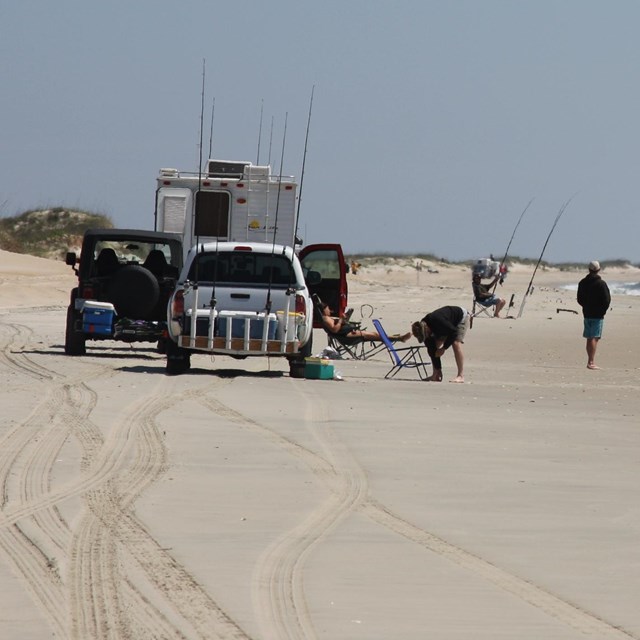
270 141
213 110
260 131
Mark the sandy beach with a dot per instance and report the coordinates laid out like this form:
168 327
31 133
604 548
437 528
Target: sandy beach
234 502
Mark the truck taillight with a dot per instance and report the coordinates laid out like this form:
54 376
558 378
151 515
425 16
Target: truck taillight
301 306
88 293
178 304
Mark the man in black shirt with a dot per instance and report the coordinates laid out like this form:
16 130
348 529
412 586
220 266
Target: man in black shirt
443 328
594 298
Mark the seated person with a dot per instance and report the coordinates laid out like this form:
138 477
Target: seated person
484 296
348 332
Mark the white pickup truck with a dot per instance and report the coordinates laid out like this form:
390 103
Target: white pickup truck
251 299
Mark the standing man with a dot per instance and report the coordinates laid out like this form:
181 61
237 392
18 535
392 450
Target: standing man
594 298
443 328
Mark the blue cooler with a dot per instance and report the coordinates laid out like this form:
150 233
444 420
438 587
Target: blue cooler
97 317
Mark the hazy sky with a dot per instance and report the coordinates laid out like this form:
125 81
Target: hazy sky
433 123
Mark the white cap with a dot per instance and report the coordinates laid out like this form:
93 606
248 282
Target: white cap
594 266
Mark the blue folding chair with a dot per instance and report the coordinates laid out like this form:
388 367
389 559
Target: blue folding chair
402 357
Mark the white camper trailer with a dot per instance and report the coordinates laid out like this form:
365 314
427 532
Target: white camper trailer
245 289
234 201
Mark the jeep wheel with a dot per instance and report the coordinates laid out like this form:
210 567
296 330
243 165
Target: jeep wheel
134 292
74 341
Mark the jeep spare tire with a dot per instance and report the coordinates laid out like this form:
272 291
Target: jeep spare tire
134 292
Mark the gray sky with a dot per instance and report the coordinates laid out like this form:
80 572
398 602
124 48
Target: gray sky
433 123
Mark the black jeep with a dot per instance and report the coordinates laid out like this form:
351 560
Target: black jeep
125 279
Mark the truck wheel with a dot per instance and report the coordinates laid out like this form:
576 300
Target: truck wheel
296 368
134 292
74 341
296 364
178 359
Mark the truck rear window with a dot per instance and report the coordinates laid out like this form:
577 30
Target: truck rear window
242 267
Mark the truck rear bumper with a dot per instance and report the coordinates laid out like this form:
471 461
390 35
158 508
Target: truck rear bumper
238 346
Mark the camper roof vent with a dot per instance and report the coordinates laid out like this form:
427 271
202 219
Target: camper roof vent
225 169
258 171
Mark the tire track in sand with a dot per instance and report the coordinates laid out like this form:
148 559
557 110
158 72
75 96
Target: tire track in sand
13 339
278 583
87 600
135 455
35 545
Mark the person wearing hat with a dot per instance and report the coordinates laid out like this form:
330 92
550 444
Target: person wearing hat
594 298
484 295
443 328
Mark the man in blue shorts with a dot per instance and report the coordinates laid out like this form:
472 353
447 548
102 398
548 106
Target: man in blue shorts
594 298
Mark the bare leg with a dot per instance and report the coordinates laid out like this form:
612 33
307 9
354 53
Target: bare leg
374 336
459 356
436 362
499 307
592 345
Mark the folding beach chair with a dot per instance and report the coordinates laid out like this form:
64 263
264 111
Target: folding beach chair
403 357
356 348
479 309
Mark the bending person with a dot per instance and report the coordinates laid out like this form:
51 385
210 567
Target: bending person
342 328
443 328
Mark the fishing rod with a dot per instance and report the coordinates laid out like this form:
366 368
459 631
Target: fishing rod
275 230
506 253
199 162
533 275
284 139
304 161
194 315
260 132
201 126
